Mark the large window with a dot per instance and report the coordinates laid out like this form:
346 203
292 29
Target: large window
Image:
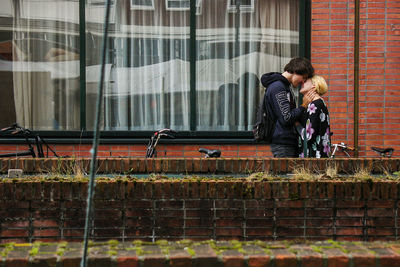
40 64
150 62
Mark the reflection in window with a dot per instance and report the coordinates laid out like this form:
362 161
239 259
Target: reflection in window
179 5
233 52
142 4
100 2
243 5
41 76
147 78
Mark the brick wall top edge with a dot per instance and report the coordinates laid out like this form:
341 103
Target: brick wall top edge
188 251
241 166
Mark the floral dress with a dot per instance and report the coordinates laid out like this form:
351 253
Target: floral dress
316 129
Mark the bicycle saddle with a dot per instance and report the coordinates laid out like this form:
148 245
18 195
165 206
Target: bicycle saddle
210 153
385 152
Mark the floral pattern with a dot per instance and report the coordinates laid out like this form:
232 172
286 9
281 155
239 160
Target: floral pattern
316 130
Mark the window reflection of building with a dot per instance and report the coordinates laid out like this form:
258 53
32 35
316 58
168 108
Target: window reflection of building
148 68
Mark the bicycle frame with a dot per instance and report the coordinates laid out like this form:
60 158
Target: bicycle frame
38 141
151 147
343 147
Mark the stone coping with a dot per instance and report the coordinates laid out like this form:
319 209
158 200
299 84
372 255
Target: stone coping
203 253
198 165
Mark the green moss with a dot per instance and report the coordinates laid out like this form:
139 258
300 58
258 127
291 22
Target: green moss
317 249
35 249
7 248
162 242
190 251
61 248
185 242
137 242
112 253
338 245
113 243
139 251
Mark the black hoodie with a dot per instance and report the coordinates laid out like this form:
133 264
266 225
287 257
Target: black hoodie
282 107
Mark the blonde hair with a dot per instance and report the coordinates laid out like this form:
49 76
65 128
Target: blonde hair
320 84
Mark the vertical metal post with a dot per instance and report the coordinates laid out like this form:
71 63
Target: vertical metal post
304 34
305 29
193 104
82 63
356 72
93 163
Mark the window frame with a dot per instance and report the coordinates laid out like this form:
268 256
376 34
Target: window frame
99 2
199 5
141 7
243 8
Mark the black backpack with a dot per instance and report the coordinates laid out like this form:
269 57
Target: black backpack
265 125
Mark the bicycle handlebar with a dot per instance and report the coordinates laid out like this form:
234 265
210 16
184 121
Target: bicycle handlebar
38 142
9 128
151 147
343 145
16 129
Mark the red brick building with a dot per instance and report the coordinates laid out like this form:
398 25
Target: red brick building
149 73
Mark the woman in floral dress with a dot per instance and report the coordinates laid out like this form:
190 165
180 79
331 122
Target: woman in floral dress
315 122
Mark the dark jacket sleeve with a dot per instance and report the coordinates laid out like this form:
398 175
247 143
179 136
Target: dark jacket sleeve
280 105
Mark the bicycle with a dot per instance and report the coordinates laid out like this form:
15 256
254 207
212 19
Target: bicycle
341 147
151 146
208 153
28 134
384 152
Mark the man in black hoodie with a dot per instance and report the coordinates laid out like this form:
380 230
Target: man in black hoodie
281 104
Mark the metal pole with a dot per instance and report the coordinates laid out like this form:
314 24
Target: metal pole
356 73
192 49
82 63
93 163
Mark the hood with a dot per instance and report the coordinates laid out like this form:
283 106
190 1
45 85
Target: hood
271 77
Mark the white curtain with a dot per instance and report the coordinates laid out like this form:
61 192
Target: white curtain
147 83
234 48
46 64
149 68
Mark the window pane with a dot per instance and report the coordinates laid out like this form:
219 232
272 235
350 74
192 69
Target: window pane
142 2
233 51
147 73
241 2
178 4
40 64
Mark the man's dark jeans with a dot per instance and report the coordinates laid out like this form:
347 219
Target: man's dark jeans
284 151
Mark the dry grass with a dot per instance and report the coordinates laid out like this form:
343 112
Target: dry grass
73 168
260 176
331 170
303 173
362 173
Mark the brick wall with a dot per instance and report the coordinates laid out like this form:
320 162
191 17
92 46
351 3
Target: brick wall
163 150
332 54
204 166
192 208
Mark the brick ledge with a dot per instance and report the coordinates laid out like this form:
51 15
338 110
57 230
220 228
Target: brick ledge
206 253
198 165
